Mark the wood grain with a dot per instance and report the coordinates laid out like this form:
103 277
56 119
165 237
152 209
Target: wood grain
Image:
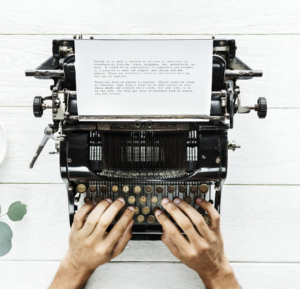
269 148
259 224
144 17
149 275
272 54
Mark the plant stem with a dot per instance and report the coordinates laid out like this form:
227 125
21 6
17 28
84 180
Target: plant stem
3 215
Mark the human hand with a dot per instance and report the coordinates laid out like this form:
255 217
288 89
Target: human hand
90 245
202 249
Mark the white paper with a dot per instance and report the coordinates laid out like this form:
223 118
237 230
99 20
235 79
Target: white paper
143 77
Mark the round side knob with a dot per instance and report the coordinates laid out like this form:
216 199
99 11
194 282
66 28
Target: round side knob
38 106
261 107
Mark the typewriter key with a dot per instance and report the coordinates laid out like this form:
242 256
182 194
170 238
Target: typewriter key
87 199
136 210
146 210
193 189
131 200
148 189
140 218
143 200
98 200
151 219
171 189
154 200
203 188
201 211
81 189
125 189
92 189
182 189
137 189
103 189
115 189
159 189
206 218
187 199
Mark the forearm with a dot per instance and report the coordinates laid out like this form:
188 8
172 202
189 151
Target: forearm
223 278
68 277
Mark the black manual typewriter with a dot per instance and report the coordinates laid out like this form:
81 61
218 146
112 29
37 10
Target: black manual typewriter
143 161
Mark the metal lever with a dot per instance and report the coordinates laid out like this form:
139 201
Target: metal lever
48 133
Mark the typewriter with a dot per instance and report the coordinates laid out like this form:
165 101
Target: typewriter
143 161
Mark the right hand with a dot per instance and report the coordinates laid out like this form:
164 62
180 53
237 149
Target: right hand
202 249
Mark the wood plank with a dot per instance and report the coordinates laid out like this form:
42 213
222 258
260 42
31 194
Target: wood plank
263 159
144 17
279 81
149 275
259 224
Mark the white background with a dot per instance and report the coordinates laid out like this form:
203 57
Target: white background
261 200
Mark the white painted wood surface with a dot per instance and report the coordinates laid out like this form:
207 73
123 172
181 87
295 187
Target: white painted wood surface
260 204
148 275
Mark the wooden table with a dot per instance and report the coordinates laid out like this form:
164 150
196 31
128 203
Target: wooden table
261 199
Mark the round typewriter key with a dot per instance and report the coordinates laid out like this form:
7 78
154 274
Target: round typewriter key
151 219
201 211
140 218
103 189
193 189
131 200
92 189
146 210
137 189
125 189
98 200
87 199
182 189
187 199
136 210
154 200
203 188
115 189
159 189
148 189
206 218
81 189
171 189
143 200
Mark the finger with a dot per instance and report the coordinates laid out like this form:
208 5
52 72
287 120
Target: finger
182 220
173 232
80 215
195 217
109 215
93 218
214 216
119 228
170 244
123 241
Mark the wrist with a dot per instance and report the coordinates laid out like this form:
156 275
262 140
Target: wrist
221 277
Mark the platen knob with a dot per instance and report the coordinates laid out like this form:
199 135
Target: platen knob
261 107
38 106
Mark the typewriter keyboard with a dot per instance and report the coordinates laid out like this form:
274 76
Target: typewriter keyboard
144 197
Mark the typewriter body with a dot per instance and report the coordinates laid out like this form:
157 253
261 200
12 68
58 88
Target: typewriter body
143 161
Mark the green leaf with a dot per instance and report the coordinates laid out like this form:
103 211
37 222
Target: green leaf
5 239
16 211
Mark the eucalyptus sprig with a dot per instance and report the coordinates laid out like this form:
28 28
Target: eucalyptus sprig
16 212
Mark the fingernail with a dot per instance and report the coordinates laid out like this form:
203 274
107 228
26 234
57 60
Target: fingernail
165 201
199 200
108 200
158 212
95 203
131 208
177 201
121 200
